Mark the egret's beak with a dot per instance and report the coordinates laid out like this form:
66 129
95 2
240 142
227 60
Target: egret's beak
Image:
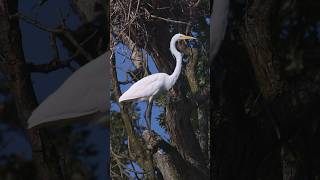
187 37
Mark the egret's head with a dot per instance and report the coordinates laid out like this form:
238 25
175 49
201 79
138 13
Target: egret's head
182 37
176 38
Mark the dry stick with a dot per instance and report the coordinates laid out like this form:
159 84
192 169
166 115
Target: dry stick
135 15
120 156
196 4
120 166
89 38
36 23
114 175
69 36
134 171
119 163
122 7
54 46
82 43
169 20
126 25
129 10
137 9
49 67
126 82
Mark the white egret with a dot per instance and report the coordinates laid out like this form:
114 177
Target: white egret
150 86
84 96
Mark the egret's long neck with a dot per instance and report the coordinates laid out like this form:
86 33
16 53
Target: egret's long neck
174 76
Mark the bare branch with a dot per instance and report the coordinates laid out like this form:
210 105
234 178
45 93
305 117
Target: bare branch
169 20
60 30
36 23
47 68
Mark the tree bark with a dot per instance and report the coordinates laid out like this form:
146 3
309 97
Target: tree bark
168 161
256 35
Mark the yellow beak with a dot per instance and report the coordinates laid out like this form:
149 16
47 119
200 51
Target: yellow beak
187 37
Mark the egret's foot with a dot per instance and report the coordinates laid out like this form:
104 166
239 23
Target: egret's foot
161 151
147 133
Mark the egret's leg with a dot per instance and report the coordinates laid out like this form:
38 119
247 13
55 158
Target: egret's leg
149 110
148 113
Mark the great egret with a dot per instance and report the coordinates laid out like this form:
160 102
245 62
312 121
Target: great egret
82 97
150 86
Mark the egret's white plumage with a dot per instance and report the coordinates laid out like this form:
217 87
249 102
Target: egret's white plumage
139 90
148 87
84 95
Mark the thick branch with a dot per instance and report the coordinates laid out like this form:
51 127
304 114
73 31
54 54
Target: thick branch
167 158
47 68
256 35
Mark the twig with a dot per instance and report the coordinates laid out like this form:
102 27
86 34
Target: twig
54 46
125 82
47 68
134 170
169 20
69 36
36 23
119 164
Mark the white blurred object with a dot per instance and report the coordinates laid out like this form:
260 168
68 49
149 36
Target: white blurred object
84 96
218 26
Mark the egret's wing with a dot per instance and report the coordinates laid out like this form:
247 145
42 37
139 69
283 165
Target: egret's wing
145 87
85 92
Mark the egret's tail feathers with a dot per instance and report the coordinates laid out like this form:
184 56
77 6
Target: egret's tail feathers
126 99
121 99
